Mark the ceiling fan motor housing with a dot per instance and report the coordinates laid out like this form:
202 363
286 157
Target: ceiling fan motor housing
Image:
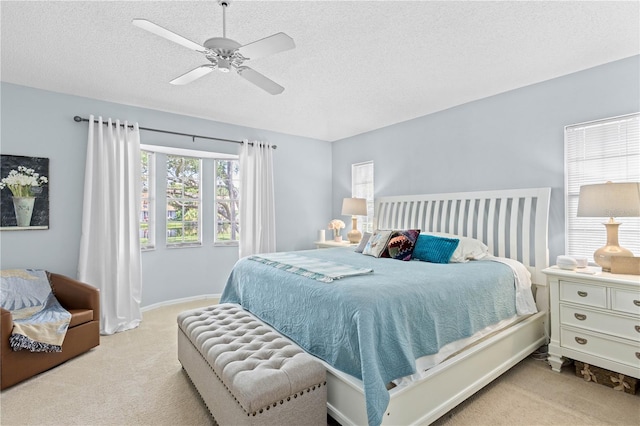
224 47
223 53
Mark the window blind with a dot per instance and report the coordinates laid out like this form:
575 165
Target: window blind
597 152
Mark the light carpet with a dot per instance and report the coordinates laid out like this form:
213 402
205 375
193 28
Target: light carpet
134 378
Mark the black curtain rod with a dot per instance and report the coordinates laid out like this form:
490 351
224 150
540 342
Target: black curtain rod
79 119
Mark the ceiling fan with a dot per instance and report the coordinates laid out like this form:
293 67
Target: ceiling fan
226 54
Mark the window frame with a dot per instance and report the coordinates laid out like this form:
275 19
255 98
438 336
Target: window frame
216 201
151 202
208 161
185 200
366 224
609 168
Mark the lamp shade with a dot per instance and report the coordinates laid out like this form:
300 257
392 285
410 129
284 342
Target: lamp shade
610 200
354 207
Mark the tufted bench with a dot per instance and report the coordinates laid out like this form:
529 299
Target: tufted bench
246 372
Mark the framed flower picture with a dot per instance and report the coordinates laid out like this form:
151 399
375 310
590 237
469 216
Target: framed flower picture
24 192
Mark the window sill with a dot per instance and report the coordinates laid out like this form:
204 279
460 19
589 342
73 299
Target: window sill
226 244
179 246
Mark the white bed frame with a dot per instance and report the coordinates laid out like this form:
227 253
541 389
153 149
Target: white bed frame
514 224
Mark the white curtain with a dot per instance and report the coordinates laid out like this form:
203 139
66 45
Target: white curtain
257 206
110 245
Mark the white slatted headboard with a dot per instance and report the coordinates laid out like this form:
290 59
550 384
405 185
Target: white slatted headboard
513 223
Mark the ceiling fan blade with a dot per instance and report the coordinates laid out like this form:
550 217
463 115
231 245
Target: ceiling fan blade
169 35
267 46
193 75
260 80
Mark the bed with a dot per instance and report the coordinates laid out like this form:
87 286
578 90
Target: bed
369 329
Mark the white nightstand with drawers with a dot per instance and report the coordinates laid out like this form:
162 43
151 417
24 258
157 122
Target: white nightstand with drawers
595 319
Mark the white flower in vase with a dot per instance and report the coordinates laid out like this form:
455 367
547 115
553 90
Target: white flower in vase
336 225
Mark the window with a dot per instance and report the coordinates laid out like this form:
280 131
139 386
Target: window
183 200
597 152
147 213
227 201
362 187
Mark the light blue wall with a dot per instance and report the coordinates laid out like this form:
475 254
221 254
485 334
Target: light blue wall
40 123
511 140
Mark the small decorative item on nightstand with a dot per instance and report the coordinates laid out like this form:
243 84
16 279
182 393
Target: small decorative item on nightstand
625 265
336 225
571 263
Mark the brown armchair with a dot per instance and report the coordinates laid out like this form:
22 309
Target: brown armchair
83 302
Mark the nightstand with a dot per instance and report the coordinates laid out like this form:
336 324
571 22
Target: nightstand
332 244
595 319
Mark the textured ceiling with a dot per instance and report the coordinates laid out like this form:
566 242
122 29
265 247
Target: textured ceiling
357 66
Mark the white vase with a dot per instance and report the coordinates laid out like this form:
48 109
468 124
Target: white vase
23 207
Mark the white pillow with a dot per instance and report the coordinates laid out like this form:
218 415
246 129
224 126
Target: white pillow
363 242
468 248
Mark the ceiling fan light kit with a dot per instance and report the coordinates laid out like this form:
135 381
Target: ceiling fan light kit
226 54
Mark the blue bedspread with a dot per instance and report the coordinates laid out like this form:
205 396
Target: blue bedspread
374 326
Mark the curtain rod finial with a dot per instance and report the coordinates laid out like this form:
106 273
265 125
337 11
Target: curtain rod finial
77 119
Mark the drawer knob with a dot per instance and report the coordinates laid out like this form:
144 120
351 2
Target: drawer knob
638 355
580 317
638 328
581 340
636 302
582 293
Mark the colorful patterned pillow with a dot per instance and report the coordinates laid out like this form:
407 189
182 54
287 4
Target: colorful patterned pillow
434 249
377 243
401 244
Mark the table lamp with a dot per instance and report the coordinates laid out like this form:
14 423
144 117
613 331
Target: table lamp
610 200
354 207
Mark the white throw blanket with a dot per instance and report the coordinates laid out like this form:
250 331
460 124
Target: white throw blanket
39 321
317 269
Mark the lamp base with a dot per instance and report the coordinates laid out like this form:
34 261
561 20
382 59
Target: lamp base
354 236
603 255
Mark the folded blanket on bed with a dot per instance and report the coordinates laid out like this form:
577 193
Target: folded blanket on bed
39 321
319 270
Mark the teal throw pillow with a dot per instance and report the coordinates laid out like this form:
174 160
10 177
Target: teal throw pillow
431 248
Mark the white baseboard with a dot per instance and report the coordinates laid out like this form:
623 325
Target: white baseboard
182 300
